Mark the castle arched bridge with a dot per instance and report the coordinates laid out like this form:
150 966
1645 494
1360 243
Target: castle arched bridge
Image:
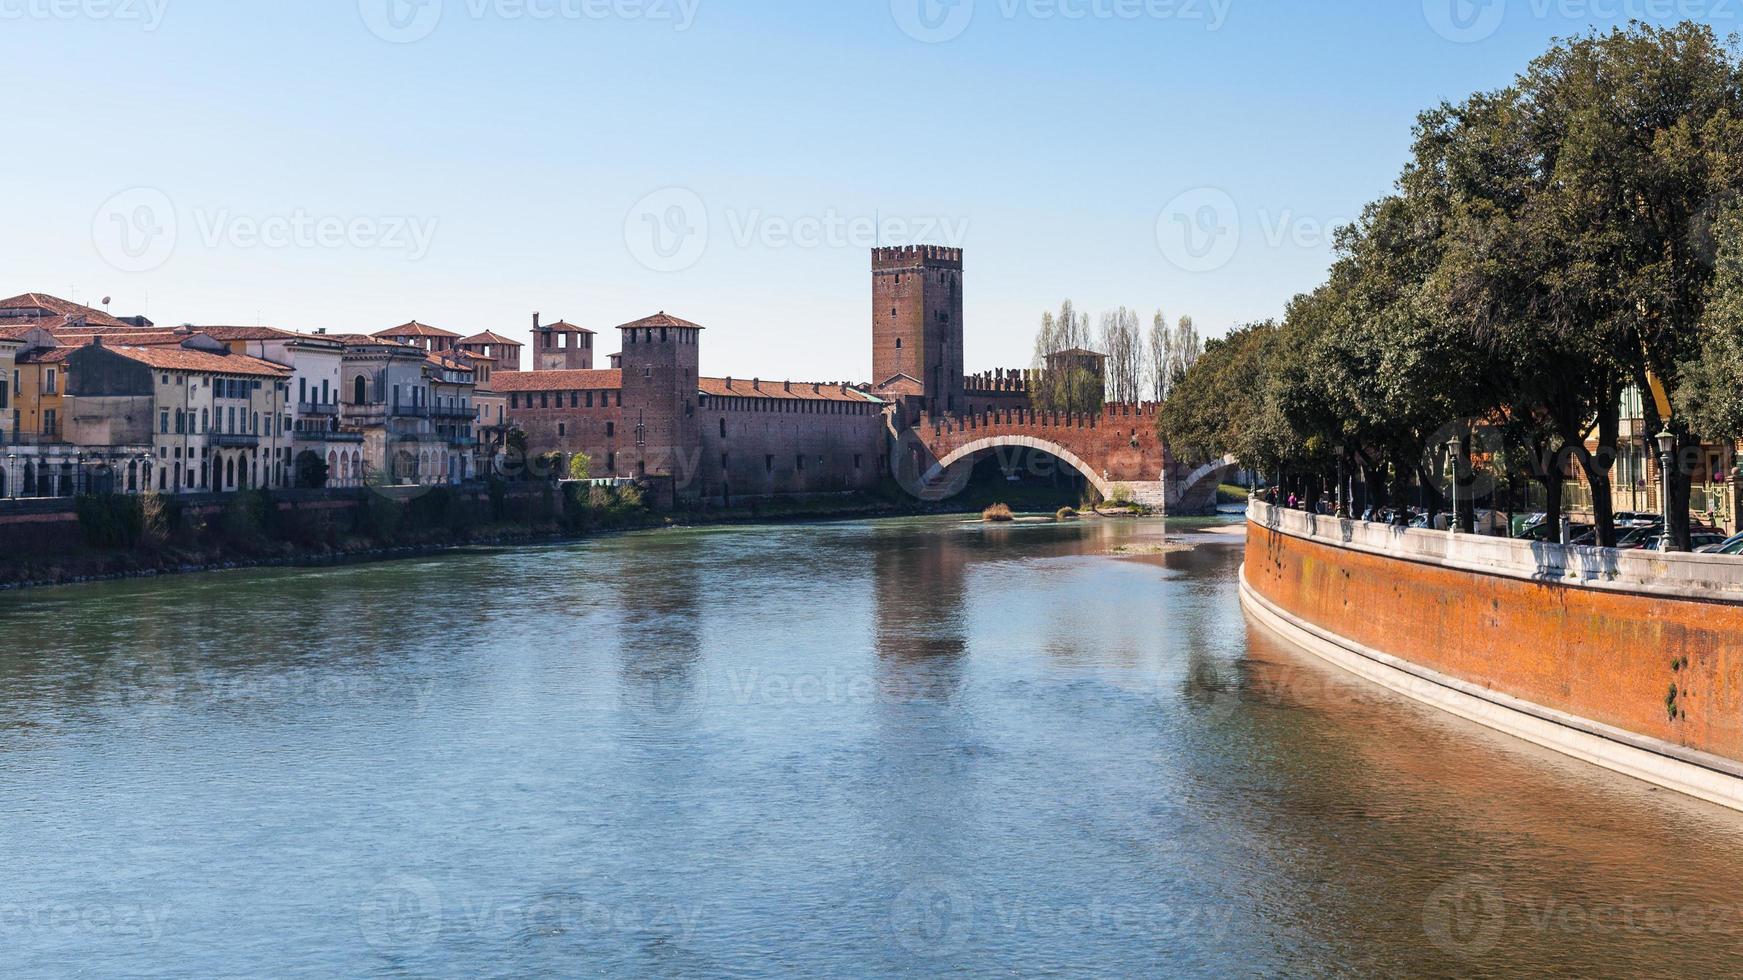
1118 447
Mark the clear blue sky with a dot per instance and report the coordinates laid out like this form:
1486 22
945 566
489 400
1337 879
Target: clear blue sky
489 163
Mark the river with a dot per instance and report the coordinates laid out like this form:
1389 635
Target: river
901 747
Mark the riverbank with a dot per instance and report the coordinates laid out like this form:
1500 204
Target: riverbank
258 531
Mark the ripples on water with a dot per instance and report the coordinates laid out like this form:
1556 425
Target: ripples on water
908 747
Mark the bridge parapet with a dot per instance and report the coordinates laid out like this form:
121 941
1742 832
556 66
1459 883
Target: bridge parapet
1142 416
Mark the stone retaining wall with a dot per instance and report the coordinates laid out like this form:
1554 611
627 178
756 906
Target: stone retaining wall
1645 650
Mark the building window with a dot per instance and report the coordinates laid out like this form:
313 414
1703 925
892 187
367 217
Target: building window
799 463
590 399
610 429
723 461
574 399
768 464
544 400
4 401
611 462
898 343
163 423
49 384
723 428
562 429
856 461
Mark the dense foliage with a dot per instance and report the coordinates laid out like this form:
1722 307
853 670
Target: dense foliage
1548 246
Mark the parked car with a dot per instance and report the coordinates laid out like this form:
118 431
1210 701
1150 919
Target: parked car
1730 546
1545 531
1629 518
1699 539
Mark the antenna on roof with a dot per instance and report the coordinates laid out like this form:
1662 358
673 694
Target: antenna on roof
106 302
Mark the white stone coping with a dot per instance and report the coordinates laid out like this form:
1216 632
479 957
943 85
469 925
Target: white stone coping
1708 578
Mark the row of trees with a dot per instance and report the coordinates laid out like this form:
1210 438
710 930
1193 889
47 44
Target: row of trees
1548 246
1141 366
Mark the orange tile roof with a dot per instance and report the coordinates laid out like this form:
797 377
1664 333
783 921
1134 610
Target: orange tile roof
660 319
250 333
801 390
507 381
46 355
440 358
564 326
146 338
182 359
491 337
54 304
416 329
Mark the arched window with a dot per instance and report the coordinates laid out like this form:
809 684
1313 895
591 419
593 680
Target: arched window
359 391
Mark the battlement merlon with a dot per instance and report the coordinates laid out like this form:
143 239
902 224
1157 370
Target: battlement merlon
906 257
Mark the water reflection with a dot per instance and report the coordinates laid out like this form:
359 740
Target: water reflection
903 747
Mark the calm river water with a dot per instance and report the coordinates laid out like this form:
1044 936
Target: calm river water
886 748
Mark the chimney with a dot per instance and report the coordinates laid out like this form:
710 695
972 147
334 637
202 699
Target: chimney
729 382
786 386
756 383
535 323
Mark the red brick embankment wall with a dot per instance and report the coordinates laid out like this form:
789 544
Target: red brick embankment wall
1592 634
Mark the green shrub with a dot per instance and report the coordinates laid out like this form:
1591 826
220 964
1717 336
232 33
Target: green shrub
998 514
1066 514
110 520
580 467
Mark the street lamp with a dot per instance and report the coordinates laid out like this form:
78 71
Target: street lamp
1666 450
1452 449
12 475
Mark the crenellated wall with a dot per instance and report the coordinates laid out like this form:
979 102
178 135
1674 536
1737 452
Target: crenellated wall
1630 660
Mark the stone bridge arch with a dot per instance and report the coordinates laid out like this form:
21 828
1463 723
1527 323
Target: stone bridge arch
936 473
1194 492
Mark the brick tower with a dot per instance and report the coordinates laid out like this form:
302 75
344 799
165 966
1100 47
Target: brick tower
662 435
561 346
917 322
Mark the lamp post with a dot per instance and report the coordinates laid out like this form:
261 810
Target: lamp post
12 475
1666 450
1452 450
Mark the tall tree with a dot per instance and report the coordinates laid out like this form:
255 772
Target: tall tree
1161 363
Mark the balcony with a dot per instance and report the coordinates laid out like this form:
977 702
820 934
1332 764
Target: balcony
327 410
326 435
239 440
454 412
